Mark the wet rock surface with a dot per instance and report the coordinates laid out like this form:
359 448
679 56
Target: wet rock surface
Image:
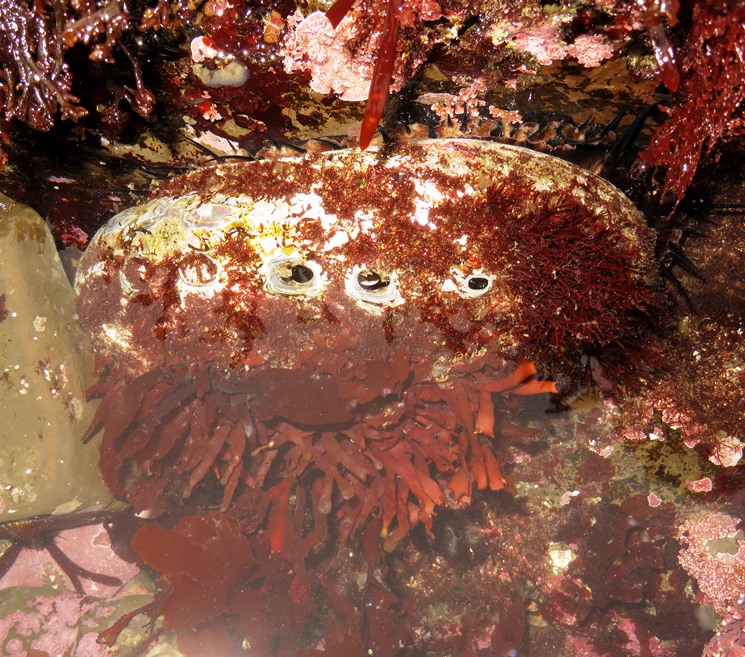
46 366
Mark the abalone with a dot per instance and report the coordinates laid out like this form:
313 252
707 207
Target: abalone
348 323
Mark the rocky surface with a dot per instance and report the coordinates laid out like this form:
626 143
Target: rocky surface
45 368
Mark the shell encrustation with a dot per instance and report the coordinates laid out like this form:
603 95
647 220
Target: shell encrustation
346 324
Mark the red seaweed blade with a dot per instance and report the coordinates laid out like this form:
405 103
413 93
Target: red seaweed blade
338 11
381 80
383 71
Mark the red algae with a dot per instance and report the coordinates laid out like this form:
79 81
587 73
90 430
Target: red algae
694 395
204 558
369 52
39 77
711 93
659 16
224 593
382 73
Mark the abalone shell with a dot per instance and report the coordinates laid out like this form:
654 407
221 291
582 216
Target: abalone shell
483 242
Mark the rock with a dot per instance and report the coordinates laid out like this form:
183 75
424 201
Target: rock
45 367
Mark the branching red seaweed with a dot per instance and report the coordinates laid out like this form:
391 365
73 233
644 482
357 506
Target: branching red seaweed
225 593
36 80
709 107
381 79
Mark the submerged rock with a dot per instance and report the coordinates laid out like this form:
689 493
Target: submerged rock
44 371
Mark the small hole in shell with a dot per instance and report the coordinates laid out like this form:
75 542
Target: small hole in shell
477 283
198 270
299 274
370 280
